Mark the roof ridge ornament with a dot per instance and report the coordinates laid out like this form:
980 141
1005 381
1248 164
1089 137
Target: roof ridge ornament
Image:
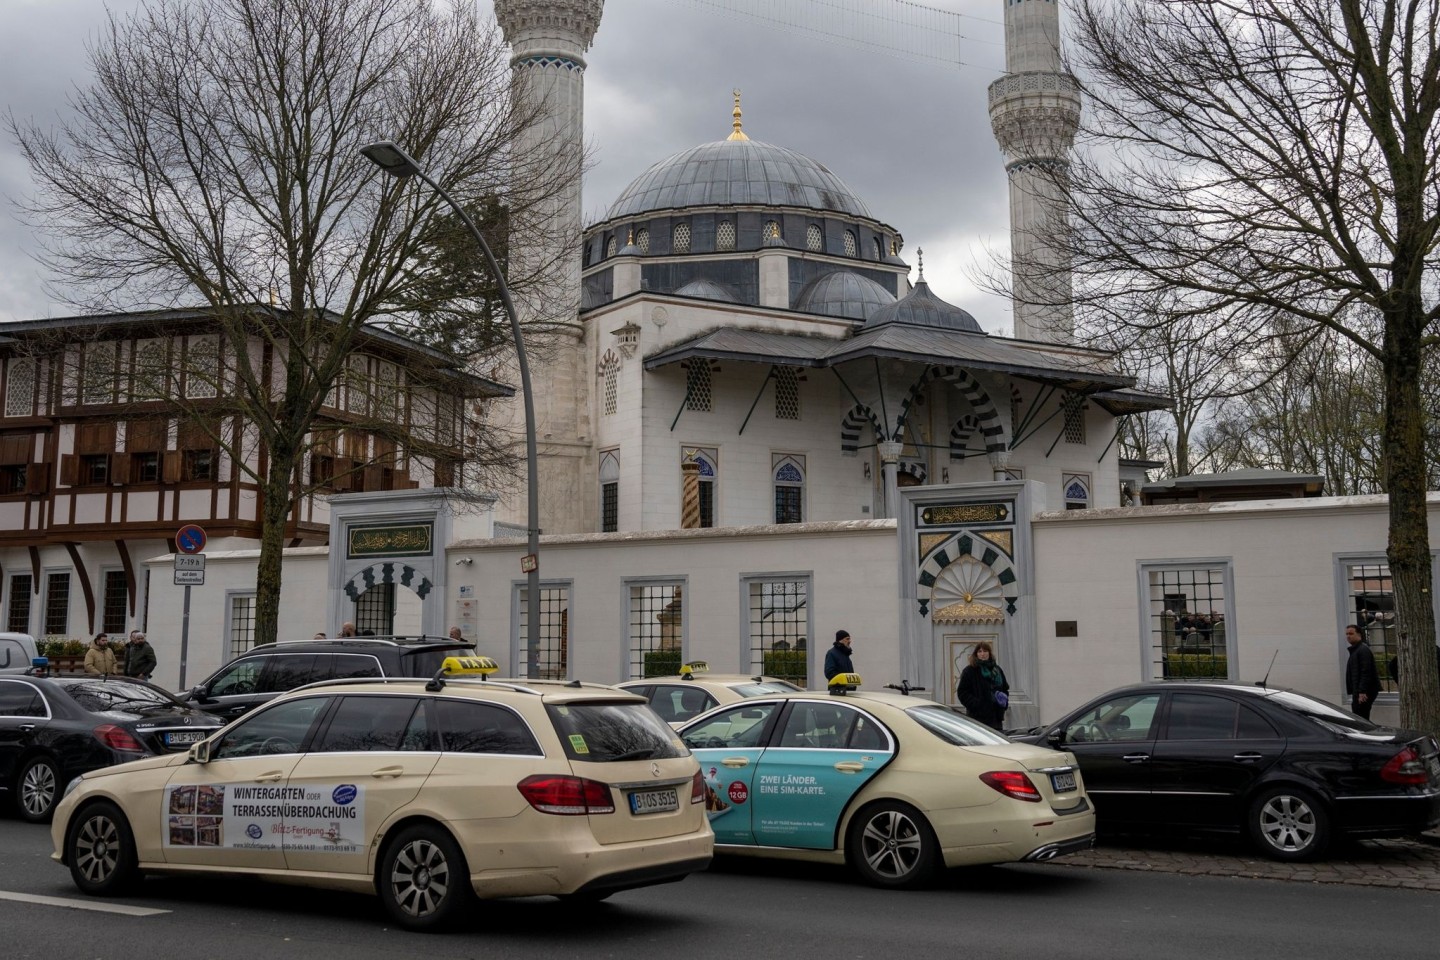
736 133
920 259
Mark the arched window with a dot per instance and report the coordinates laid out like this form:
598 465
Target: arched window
610 380
725 236
772 230
642 240
681 238
852 248
814 239
610 491
1077 491
709 461
879 249
788 473
610 247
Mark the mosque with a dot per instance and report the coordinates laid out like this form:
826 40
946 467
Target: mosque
757 431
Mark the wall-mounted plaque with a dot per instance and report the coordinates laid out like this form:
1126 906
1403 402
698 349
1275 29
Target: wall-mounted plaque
391 540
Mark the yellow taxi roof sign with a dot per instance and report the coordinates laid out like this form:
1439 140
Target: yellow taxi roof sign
693 667
469 666
842 682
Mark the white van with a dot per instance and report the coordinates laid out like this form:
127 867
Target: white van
16 652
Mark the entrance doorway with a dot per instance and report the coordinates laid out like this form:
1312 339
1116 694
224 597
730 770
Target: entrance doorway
954 652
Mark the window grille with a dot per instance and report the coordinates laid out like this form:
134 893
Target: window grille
879 249
789 477
725 235
153 377
387 394
610 247
852 249
787 393
1189 635
202 368
20 388
375 611
814 239
242 623
1074 418
778 626
772 230
657 628
1370 604
697 386
550 660
57 604
642 240
1077 490
113 617
609 491
357 385
18 618
681 240
610 377
100 372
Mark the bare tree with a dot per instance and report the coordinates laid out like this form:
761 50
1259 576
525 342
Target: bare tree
1277 160
214 159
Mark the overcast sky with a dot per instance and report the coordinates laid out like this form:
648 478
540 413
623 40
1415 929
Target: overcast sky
911 138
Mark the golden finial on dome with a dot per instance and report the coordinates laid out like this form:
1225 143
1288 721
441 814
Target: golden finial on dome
736 133
920 257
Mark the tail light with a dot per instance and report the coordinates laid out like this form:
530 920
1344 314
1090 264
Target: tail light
697 788
566 796
118 738
1406 768
1012 784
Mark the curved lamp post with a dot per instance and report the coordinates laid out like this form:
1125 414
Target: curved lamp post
396 162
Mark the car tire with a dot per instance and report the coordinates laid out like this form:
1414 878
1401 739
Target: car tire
423 879
37 789
891 845
100 848
1288 823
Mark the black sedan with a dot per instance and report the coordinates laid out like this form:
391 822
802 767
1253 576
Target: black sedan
52 729
1288 770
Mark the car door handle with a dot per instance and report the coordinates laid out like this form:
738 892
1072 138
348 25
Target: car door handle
1136 758
1246 757
274 776
736 761
850 766
388 772
26 727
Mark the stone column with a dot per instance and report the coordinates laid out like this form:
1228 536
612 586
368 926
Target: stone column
889 468
999 464
690 495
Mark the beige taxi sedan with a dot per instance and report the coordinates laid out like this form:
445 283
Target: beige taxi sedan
426 794
695 689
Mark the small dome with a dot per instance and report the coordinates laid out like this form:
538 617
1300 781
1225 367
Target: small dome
841 293
730 172
706 290
921 308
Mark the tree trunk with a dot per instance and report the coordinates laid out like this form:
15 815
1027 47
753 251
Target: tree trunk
274 512
1409 546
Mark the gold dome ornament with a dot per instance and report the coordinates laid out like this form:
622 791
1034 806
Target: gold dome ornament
736 133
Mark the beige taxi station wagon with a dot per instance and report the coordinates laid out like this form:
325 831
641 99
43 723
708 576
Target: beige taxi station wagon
427 794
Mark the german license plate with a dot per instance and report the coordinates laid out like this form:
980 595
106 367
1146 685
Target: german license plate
185 736
1062 782
654 801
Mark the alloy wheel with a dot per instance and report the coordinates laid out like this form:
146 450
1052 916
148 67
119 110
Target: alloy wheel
1287 823
891 844
38 787
420 878
96 850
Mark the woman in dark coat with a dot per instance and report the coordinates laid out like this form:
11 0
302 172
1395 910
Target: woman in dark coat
980 682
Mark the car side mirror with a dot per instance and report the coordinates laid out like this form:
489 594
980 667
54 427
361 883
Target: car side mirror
200 753
199 693
1055 737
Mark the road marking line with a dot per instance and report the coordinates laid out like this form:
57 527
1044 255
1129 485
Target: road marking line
96 905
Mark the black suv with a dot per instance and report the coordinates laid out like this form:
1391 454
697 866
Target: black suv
259 675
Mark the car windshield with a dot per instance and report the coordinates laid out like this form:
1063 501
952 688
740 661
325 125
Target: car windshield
953 727
760 688
117 695
1325 713
612 732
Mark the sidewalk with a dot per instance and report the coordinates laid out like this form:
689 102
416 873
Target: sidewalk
1411 864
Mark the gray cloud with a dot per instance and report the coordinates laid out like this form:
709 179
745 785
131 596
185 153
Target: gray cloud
911 138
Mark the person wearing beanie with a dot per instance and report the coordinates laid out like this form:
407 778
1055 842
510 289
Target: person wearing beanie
837 659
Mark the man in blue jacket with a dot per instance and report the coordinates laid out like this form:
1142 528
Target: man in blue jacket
837 660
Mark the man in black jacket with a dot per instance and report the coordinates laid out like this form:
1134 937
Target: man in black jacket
1362 681
837 659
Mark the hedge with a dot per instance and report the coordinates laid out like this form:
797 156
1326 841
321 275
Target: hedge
662 663
1195 666
786 664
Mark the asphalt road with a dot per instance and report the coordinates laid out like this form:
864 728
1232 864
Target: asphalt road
740 909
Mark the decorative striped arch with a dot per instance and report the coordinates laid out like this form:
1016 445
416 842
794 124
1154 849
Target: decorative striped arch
960 436
987 417
386 572
965 544
850 427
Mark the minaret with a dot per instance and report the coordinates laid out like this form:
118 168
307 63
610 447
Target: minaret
548 40
1034 111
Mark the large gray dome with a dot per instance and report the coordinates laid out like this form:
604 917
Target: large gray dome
731 172
843 294
921 308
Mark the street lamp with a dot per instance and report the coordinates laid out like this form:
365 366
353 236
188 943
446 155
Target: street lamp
396 162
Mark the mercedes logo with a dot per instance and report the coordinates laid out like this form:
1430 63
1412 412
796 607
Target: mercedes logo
654 769
186 720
